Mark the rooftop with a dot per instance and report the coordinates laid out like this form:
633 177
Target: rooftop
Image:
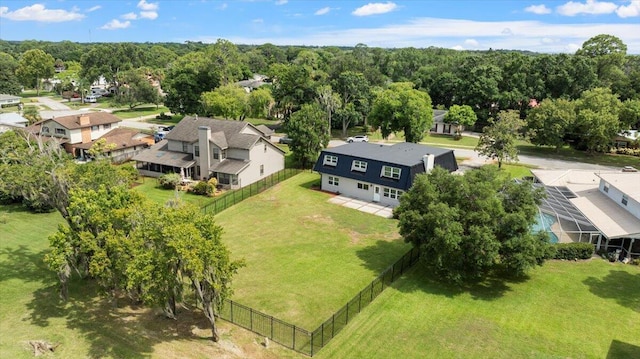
627 182
95 118
404 153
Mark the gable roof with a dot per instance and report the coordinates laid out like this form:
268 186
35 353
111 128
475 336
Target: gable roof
187 129
73 122
438 115
160 154
406 156
13 119
121 137
265 130
626 182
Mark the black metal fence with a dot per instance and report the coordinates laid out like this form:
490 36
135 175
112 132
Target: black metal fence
235 196
310 342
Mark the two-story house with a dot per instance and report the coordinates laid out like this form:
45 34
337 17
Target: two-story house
378 173
75 130
236 153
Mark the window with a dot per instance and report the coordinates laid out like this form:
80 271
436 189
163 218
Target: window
95 128
45 129
265 148
330 160
360 166
363 186
223 155
391 193
60 131
107 126
391 172
261 170
625 199
334 181
196 149
185 147
605 188
216 155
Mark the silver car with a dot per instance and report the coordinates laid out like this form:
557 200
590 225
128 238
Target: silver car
359 138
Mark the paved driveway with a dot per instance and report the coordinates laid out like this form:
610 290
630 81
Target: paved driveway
52 104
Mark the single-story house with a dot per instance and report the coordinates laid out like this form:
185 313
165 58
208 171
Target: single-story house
628 138
236 153
8 100
604 205
378 173
122 144
76 130
12 120
441 127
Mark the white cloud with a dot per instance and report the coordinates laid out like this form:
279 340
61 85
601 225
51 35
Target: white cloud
38 12
631 10
151 15
129 16
281 2
472 42
547 40
92 9
590 7
538 9
457 47
375 9
446 33
116 24
323 11
147 6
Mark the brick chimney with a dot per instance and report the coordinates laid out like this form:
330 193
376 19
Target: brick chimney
84 120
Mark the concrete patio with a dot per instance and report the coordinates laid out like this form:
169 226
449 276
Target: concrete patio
364 206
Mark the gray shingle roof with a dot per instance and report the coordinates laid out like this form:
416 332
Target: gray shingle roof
159 154
230 166
187 129
243 140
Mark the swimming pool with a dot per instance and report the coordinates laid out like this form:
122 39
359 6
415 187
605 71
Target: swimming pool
543 224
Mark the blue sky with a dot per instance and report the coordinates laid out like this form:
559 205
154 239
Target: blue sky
542 26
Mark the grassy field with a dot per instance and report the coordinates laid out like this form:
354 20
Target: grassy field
143 110
149 187
564 310
569 154
305 257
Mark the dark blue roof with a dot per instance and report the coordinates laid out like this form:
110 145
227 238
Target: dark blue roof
406 156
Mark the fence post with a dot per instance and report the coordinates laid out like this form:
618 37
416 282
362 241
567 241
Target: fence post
230 301
359 301
251 318
294 338
322 337
347 319
271 327
333 325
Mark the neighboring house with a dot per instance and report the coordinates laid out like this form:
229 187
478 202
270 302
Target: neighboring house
236 153
379 173
122 143
75 130
604 205
9 121
628 138
441 127
252 83
8 100
266 131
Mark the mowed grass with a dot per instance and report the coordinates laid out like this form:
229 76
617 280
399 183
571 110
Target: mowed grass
305 257
565 309
149 187
89 326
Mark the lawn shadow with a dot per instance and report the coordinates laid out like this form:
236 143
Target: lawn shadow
490 288
620 285
619 349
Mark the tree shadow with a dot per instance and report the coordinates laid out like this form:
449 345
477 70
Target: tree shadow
126 331
620 285
619 349
494 286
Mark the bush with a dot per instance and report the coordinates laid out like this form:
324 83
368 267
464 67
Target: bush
635 262
163 116
203 188
130 172
573 251
170 180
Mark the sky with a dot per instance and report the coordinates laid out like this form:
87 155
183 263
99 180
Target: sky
534 25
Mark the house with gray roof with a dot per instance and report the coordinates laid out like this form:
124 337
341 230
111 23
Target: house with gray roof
378 173
236 153
11 120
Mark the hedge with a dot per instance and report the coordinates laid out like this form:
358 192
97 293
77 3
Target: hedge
573 251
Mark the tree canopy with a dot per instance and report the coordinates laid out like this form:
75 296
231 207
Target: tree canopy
468 227
34 66
307 129
498 140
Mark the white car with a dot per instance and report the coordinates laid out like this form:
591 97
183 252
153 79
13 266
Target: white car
359 138
90 99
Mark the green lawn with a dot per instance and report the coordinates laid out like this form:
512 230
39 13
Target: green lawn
565 310
569 154
149 187
143 110
305 257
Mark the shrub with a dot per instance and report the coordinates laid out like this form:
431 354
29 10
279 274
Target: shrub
170 180
635 262
573 251
130 172
203 188
163 116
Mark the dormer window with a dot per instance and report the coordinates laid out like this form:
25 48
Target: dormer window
390 172
330 160
605 187
360 166
625 199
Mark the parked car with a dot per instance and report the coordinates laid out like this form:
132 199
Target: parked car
359 138
166 128
285 140
91 99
